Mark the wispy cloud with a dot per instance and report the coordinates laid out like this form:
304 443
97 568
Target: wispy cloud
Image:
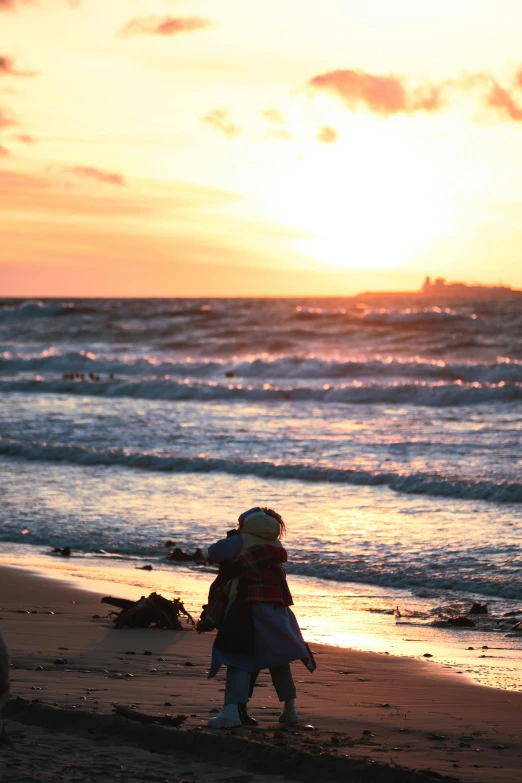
274 116
10 5
277 119
164 25
91 172
500 98
50 192
384 95
25 138
219 119
7 68
327 135
280 133
19 182
6 120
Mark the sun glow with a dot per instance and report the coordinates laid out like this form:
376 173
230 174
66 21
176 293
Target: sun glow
155 153
373 201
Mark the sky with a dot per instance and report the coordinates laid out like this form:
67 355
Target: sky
248 148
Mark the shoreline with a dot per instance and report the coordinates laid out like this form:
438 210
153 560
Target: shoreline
340 615
418 714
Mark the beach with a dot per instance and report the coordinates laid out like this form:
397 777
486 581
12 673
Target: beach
70 666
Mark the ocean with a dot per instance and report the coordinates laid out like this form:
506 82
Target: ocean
387 432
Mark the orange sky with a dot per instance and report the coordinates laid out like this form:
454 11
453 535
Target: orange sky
195 147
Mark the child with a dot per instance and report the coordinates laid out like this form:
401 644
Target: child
258 630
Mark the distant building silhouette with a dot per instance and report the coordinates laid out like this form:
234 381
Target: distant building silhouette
440 287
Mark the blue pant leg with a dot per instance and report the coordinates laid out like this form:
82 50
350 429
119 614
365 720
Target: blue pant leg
283 682
237 686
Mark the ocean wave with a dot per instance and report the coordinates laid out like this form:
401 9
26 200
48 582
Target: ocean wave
414 483
282 367
418 577
415 316
33 310
50 361
386 316
419 394
406 577
309 313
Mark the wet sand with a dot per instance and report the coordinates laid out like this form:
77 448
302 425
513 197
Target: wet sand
367 710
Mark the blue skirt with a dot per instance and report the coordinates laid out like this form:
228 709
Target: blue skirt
278 640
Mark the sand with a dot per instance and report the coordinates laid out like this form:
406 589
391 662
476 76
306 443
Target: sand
374 716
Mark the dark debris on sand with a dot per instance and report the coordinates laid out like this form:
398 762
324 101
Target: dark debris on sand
306 762
152 611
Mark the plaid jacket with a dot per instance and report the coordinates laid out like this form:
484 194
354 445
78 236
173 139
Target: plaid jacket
263 574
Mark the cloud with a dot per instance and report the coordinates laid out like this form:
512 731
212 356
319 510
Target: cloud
7 67
274 116
11 5
164 25
18 182
92 172
6 121
327 135
3 151
500 98
49 193
25 138
280 133
384 95
391 95
218 118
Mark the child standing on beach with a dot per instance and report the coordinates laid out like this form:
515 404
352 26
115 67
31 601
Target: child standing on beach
259 630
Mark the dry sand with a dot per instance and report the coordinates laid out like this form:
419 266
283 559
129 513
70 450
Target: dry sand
367 710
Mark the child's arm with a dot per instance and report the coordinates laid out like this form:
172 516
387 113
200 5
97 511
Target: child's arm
225 549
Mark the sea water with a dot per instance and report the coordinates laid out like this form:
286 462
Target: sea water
387 433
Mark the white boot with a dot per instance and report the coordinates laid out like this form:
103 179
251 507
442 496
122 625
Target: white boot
228 718
289 714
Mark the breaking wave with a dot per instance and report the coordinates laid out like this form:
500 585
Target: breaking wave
415 316
414 483
33 310
355 393
283 367
409 577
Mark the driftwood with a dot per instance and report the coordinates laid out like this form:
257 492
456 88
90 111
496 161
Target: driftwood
122 603
460 622
143 717
152 611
